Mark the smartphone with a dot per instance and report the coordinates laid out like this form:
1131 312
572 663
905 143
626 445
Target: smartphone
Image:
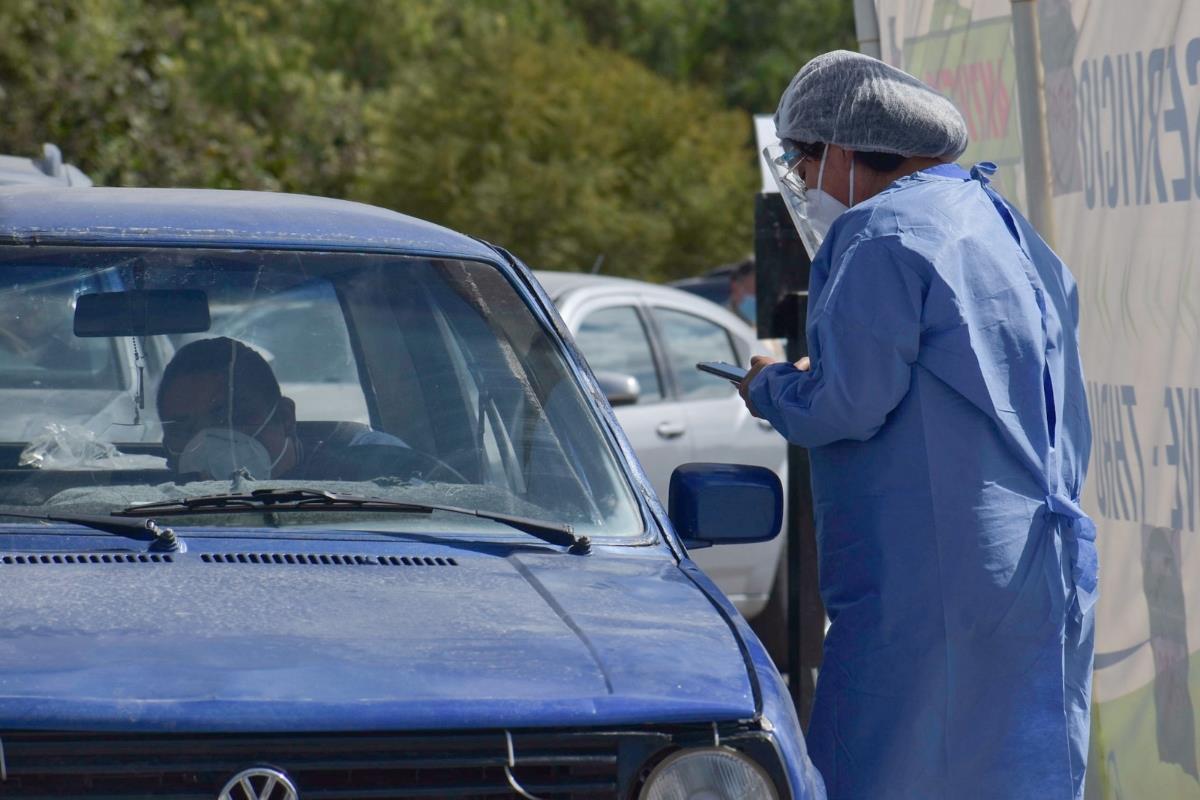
722 369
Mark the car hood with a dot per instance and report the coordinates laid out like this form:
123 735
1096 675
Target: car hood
390 638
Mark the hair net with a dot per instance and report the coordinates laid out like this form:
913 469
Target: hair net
860 103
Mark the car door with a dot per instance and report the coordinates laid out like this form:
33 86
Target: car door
722 430
613 335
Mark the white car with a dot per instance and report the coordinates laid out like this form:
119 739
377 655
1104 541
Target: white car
675 413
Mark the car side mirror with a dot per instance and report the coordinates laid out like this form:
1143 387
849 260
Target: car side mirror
725 504
620 389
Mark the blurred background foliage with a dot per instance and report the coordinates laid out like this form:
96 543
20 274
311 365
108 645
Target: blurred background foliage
575 132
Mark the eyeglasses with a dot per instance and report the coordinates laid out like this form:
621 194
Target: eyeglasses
796 153
811 150
784 160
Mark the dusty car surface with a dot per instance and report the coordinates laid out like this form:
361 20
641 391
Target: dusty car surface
451 580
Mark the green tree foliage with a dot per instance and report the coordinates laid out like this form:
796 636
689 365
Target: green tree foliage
746 49
569 131
565 152
203 94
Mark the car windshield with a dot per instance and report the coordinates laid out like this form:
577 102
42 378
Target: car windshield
133 376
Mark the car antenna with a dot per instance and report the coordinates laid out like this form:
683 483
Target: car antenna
139 364
139 396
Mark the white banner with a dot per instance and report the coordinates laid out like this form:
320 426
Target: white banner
1122 83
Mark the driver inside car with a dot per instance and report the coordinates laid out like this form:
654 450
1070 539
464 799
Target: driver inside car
223 414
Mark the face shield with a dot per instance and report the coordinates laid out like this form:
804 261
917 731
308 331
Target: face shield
813 211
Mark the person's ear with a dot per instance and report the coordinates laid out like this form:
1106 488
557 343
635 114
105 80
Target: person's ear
287 412
843 156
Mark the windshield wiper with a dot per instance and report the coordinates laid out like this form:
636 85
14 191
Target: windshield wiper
146 530
268 500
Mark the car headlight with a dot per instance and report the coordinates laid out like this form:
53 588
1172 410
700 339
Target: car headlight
710 773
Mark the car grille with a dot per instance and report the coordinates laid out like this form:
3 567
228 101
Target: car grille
323 767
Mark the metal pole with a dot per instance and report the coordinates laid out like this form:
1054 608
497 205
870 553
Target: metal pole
866 25
782 268
806 614
1031 97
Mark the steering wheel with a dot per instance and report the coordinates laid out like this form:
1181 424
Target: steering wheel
433 469
369 461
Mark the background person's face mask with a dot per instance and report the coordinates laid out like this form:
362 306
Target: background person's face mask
220 452
748 308
813 211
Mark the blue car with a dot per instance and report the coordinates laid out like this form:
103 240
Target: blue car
429 566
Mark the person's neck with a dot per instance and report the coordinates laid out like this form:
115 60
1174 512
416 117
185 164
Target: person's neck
876 182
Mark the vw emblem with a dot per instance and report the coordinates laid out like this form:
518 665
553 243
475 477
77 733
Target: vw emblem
259 783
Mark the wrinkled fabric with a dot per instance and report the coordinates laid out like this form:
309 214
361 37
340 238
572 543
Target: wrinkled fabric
860 103
949 437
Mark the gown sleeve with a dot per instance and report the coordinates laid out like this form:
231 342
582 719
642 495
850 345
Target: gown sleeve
864 334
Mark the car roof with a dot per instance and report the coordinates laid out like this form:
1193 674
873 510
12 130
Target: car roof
702 280
559 285
216 218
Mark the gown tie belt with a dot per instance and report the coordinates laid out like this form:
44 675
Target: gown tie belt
1078 533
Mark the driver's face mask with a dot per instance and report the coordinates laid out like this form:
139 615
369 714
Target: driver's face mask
813 211
221 452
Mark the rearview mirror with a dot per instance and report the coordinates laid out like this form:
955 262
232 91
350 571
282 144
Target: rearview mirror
725 504
620 389
142 312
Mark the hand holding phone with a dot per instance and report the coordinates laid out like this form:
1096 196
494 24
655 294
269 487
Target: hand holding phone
723 369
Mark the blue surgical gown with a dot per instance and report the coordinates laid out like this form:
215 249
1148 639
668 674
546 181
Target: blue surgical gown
948 431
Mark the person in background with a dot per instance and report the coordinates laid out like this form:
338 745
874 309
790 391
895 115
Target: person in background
743 292
944 411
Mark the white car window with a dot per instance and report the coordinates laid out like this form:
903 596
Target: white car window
690 339
303 336
614 340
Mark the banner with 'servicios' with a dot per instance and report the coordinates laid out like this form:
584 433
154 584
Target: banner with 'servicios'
1122 97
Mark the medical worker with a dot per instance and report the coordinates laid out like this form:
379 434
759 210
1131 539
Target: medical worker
943 407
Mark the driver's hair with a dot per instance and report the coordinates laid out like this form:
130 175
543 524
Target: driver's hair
250 374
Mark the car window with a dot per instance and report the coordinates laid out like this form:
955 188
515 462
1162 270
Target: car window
690 339
412 379
614 340
38 348
302 334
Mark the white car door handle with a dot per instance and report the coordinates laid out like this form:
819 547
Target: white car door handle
671 430
764 424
